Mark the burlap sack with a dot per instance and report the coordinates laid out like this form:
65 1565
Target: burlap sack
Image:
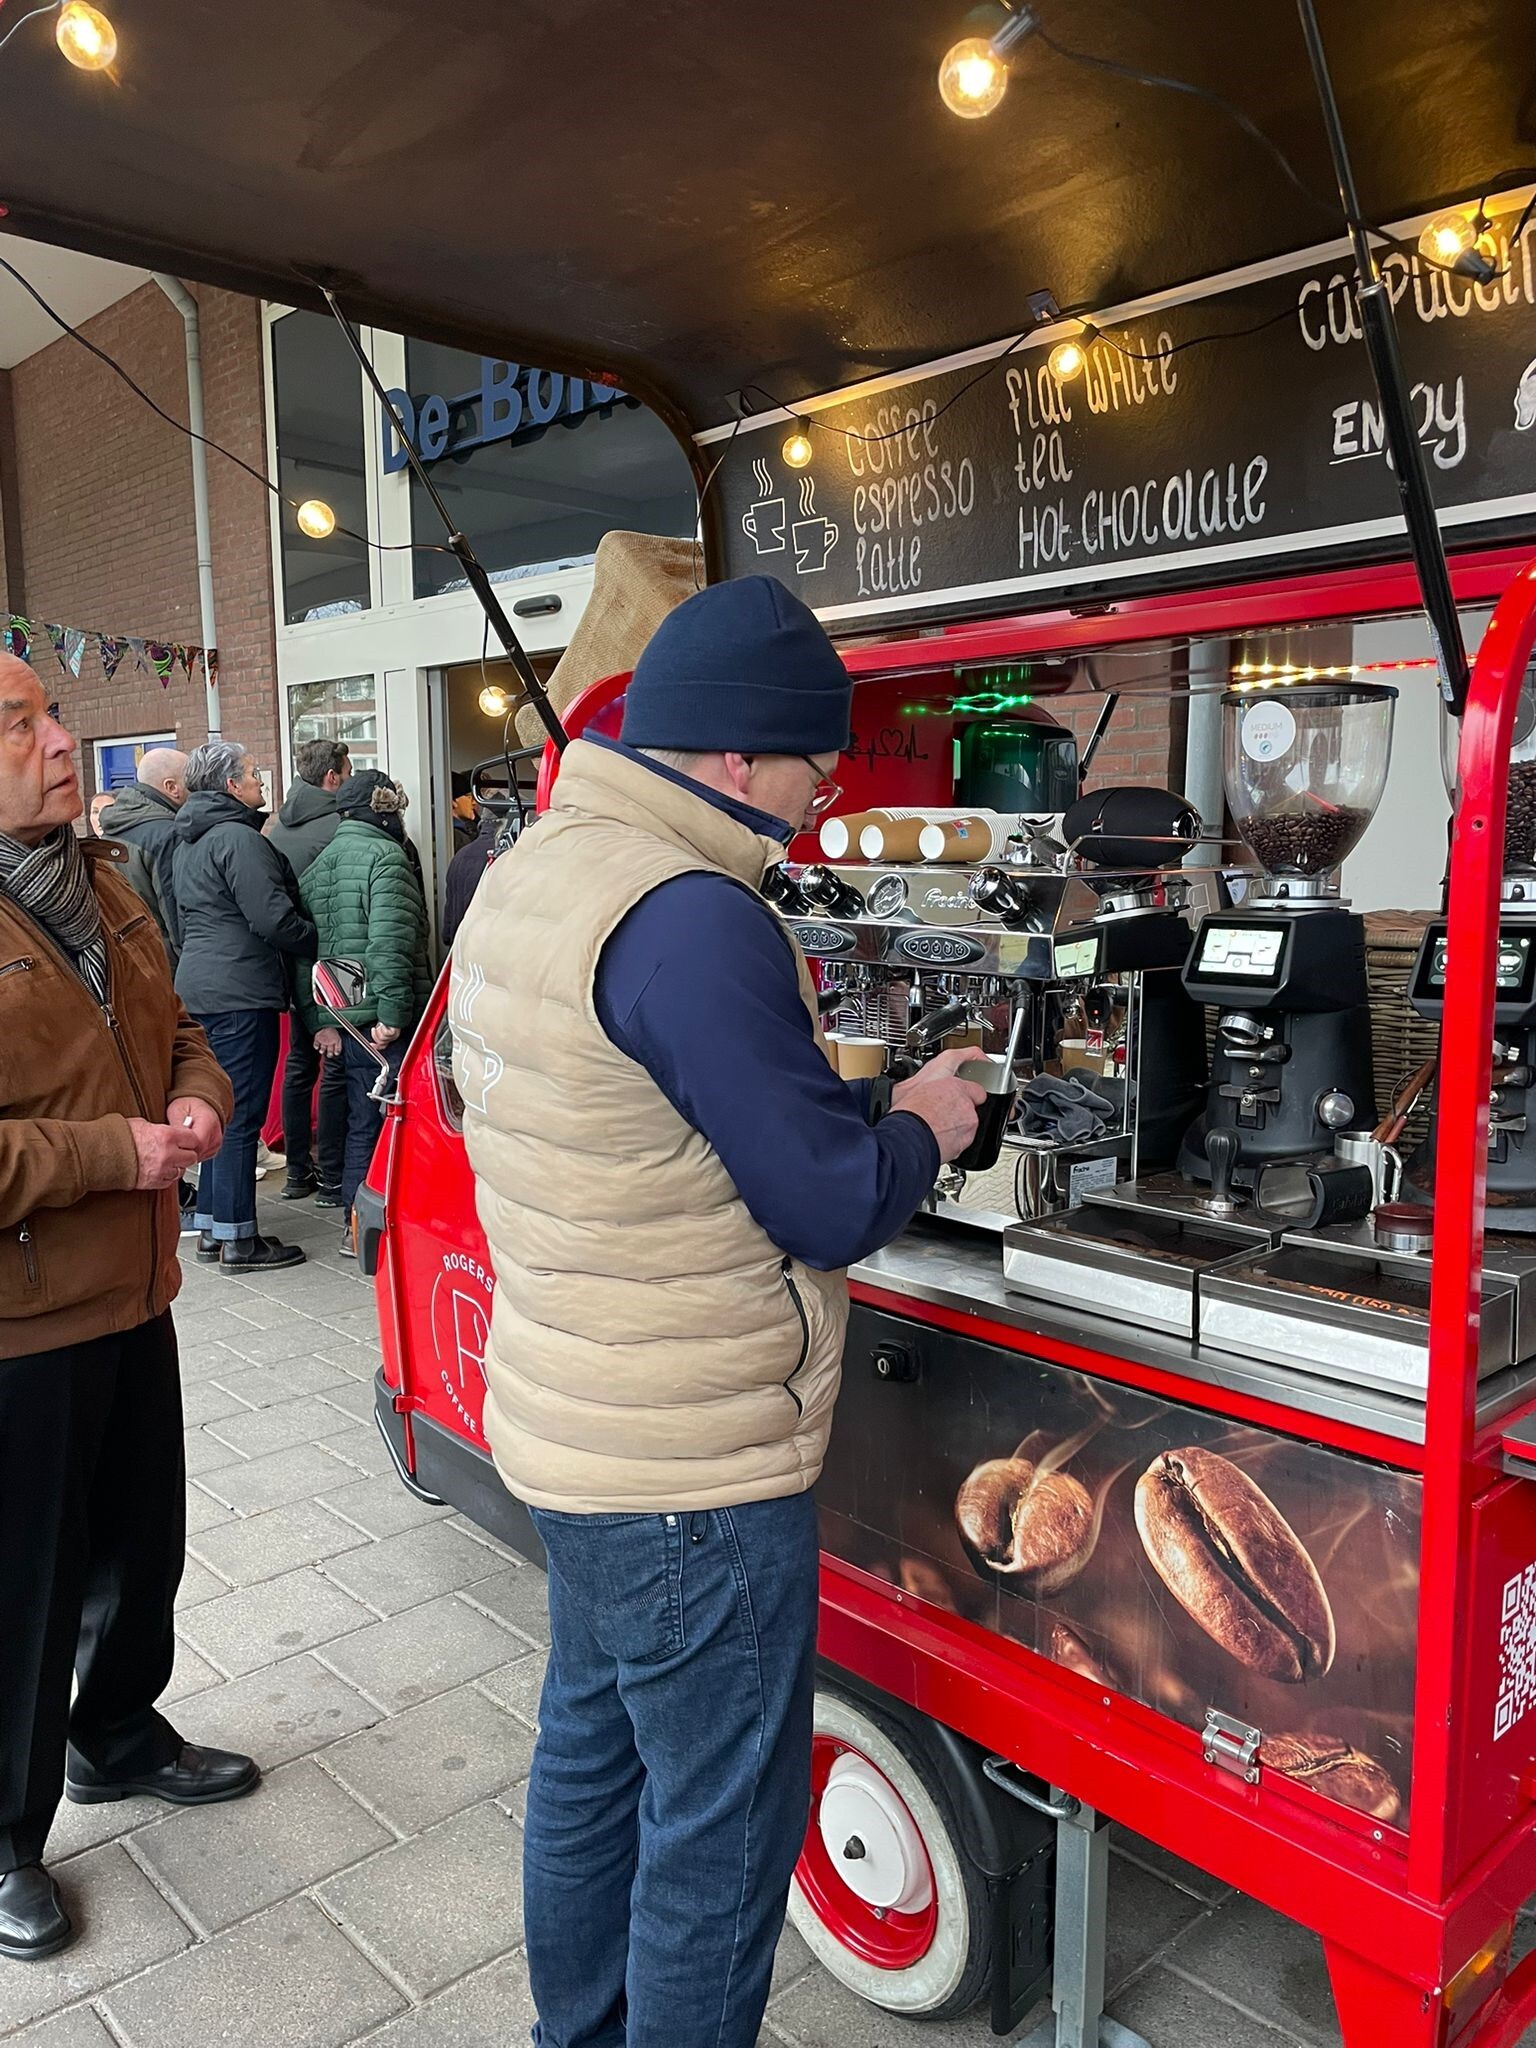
637 579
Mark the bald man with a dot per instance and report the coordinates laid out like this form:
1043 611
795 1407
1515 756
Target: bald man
144 818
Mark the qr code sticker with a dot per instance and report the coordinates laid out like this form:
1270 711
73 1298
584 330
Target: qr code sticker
1517 1652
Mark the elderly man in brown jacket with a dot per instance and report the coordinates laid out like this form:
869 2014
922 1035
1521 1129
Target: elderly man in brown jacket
108 1092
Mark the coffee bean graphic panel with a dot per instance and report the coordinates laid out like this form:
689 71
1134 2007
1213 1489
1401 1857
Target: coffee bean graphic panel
1155 1550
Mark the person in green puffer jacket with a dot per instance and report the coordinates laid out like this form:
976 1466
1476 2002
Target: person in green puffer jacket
362 892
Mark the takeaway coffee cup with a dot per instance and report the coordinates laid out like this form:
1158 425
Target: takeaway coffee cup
763 524
994 1072
814 540
858 1059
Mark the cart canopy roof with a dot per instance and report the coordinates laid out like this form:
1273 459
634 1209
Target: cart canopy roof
694 199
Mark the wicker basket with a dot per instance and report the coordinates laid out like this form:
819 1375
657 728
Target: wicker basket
1401 1040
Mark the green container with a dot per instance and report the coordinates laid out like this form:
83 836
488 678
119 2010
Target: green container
1025 762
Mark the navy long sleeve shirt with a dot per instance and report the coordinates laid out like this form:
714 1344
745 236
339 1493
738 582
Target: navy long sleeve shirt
698 985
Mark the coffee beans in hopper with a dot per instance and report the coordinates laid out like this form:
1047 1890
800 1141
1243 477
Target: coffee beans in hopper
1310 842
1520 816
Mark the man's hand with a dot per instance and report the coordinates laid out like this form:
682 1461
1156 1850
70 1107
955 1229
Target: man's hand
191 1114
328 1042
165 1151
384 1034
946 1104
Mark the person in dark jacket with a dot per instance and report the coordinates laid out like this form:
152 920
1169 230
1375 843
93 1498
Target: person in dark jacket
367 905
143 816
238 905
465 871
313 1137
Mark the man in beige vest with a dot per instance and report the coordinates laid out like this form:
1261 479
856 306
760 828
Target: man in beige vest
672 1177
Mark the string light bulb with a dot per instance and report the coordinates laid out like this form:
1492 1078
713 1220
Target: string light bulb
85 36
974 74
495 702
797 450
316 519
972 78
1460 241
1066 360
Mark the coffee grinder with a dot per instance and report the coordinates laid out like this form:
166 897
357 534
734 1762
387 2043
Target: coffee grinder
1511 1108
1303 765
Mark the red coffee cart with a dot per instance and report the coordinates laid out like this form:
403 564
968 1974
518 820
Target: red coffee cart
1177 1483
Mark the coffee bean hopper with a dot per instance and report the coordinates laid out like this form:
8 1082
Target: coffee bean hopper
1304 766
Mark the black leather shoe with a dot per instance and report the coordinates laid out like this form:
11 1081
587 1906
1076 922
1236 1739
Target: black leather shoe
207 1248
258 1255
33 1922
198 1777
299 1189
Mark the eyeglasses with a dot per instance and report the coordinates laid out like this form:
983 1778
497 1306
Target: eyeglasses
824 795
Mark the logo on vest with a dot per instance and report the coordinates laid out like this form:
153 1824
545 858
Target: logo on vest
479 1061
461 1327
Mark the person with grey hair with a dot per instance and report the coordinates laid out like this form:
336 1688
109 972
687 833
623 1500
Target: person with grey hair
241 926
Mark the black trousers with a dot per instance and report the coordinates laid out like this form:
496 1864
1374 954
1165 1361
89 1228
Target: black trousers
313 1143
93 1520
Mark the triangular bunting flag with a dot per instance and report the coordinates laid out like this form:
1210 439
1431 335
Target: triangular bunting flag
74 649
56 641
161 660
112 651
18 638
136 648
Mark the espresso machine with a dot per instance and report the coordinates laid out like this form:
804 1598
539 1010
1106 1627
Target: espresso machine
1043 955
1304 766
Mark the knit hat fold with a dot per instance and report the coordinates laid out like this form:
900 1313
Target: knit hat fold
741 667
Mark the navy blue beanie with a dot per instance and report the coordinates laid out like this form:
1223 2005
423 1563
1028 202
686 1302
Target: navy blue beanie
739 668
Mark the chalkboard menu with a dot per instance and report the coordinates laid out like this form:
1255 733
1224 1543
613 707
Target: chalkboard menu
970 484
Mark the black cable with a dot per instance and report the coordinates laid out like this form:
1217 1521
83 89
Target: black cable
1190 341
384 547
1200 92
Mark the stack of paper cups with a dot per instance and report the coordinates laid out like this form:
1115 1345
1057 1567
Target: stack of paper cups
894 835
966 836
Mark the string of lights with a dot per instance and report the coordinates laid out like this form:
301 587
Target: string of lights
313 516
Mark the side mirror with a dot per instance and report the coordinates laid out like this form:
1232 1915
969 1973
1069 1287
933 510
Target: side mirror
339 984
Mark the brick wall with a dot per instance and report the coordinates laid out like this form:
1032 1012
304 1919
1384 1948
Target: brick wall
1143 744
103 496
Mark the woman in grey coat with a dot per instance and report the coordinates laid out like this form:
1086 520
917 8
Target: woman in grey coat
242 927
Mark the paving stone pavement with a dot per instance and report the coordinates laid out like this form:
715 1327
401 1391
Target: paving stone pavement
383 1659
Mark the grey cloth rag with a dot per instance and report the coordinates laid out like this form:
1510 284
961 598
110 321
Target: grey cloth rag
1061 1107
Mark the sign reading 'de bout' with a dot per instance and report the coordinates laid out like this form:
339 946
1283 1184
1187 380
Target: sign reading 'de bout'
935 490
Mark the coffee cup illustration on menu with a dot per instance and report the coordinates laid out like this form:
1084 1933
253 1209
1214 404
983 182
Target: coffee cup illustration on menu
763 523
814 540
813 536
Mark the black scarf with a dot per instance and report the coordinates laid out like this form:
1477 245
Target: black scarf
50 883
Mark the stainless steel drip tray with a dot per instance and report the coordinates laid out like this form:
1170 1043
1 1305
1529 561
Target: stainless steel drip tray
1348 1311
1139 1265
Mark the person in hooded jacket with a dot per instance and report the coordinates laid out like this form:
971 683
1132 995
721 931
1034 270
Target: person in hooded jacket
241 926
313 1135
367 905
143 817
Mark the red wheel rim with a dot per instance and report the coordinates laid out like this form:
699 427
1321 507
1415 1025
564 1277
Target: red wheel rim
888 1940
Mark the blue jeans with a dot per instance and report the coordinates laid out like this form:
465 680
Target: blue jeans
365 1117
244 1043
671 1781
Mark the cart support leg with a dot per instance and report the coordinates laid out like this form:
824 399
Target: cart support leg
1378 2011
1082 1911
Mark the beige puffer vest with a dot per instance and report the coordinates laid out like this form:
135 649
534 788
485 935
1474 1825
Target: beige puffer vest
650 1347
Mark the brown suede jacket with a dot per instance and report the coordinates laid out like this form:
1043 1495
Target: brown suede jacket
82 1253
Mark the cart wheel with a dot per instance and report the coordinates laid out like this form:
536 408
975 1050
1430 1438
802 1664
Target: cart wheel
883 1894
